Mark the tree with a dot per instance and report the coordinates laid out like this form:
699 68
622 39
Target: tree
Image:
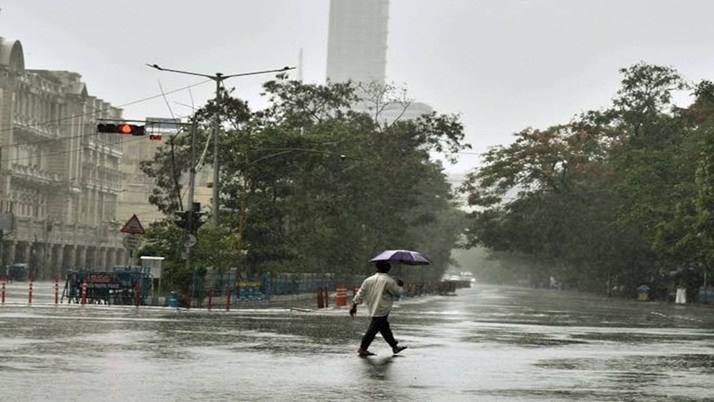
606 200
310 184
165 239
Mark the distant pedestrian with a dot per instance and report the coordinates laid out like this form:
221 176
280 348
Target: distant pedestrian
378 292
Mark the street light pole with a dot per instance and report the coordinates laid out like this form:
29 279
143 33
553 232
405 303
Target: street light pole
216 125
192 168
218 78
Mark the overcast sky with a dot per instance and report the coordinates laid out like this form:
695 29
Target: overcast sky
503 65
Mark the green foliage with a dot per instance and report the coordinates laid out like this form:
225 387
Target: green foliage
313 183
164 239
613 199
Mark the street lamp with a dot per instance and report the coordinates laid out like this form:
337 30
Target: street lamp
218 78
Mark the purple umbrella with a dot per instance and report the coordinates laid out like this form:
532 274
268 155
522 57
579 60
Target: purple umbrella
402 256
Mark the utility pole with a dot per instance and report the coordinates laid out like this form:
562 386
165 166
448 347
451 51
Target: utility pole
191 186
218 78
186 219
192 168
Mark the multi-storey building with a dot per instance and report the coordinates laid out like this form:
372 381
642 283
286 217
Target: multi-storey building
357 51
137 186
59 180
357 40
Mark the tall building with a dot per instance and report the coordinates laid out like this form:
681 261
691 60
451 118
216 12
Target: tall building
59 180
357 40
357 51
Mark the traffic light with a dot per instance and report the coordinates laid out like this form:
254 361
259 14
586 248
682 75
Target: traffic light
183 219
191 220
196 217
120 128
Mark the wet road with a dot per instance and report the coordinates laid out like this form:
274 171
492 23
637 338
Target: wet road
485 344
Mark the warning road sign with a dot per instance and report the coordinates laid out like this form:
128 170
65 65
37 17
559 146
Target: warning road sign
133 226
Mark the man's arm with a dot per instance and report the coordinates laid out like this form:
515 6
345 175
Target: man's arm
394 287
358 299
359 296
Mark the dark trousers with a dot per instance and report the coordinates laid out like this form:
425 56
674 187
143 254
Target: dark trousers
378 325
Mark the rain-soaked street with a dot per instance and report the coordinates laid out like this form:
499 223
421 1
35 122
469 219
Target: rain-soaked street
487 343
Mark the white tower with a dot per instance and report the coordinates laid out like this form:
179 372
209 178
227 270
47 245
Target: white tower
357 40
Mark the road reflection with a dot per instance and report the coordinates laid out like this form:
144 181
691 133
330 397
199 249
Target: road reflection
377 368
487 343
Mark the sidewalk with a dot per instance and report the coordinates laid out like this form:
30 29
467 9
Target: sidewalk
300 300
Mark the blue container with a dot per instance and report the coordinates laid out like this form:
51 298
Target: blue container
706 295
173 299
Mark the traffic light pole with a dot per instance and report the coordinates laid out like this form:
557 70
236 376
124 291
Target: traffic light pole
218 78
192 168
189 202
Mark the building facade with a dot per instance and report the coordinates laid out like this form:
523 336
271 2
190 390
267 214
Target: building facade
357 40
357 51
59 180
137 186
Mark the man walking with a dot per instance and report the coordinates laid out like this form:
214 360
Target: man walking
378 292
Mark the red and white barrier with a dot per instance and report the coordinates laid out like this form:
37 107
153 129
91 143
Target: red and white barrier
341 300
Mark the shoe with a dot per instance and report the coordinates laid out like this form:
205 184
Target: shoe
398 349
364 353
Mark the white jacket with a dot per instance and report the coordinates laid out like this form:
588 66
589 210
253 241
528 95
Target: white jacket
378 292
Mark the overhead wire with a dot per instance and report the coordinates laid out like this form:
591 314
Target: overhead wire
94 112
58 122
58 152
134 138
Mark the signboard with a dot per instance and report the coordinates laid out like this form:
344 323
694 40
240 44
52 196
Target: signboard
131 242
158 125
107 287
133 226
154 265
101 280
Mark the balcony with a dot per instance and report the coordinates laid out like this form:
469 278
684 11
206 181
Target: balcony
34 174
25 125
40 230
103 147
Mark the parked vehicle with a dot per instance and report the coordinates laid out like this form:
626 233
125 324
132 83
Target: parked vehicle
17 272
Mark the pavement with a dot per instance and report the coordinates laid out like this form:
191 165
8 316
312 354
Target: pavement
43 293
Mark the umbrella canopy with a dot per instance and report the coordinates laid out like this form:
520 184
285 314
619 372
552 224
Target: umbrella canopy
402 256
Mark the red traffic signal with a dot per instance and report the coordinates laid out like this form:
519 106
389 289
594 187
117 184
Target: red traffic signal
122 128
126 128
